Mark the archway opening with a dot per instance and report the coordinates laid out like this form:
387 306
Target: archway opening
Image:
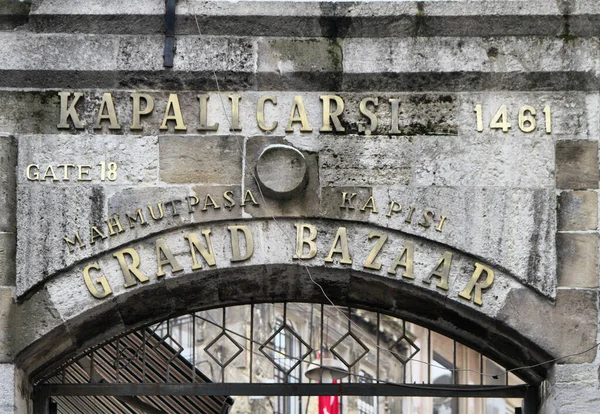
255 358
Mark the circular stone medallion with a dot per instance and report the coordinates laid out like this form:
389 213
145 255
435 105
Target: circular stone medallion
281 171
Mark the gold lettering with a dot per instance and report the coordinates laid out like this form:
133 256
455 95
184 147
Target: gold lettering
441 270
370 262
342 237
71 243
478 286
160 210
67 111
163 250
65 168
236 255
411 210
209 201
206 252
138 215
173 105
111 115
174 206
364 110
406 259
347 201
235 113
439 227
112 223
203 113
228 196
138 111
106 290
329 116
95 233
394 123
36 174
249 195
427 219
301 241
370 204
392 210
130 270
84 172
192 204
49 173
260 113
298 105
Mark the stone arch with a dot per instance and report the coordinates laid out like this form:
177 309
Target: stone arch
285 282
497 328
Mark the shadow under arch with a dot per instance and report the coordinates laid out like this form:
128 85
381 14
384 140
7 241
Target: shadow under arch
284 283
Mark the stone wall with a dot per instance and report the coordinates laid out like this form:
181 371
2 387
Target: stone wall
15 389
442 170
573 387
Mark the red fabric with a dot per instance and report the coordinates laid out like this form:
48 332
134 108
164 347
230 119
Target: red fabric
329 404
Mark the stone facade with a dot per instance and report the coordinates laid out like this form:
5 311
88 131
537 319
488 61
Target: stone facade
466 129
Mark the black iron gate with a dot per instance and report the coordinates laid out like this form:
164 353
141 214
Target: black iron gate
195 362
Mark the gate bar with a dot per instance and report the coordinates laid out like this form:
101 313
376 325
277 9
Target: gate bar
246 389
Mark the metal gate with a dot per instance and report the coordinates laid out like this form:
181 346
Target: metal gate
282 353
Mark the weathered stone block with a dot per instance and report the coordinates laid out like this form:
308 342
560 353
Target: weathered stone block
6 337
29 112
15 392
53 212
332 200
8 195
87 60
577 164
356 160
564 328
301 62
13 7
7 259
201 160
23 392
470 54
504 161
193 53
53 344
82 7
571 388
577 256
7 388
145 305
577 373
577 211
97 325
13 13
299 55
305 203
32 320
26 51
281 171
579 398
